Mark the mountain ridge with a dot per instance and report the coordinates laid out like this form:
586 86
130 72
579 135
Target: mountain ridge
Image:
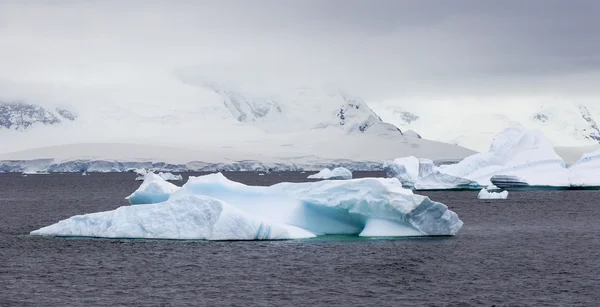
325 121
473 126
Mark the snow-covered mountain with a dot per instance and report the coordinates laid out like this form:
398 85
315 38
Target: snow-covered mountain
20 116
298 109
473 125
214 123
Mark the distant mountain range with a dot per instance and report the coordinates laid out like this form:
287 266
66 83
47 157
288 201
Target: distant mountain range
323 121
473 126
20 116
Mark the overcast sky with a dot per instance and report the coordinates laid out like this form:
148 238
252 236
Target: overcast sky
379 49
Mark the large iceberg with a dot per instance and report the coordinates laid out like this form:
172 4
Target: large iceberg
215 208
182 217
336 173
514 152
586 171
154 189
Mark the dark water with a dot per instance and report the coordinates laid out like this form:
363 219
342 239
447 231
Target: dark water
535 249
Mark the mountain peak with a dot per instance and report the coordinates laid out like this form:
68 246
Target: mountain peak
20 116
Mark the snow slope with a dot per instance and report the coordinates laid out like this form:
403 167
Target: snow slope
181 118
473 123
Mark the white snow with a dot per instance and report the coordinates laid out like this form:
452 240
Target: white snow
485 194
573 154
154 189
215 208
586 171
336 173
473 122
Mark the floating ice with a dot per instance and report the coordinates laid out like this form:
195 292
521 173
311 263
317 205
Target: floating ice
526 154
422 174
154 189
170 177
405 169
586 171
365 207
336 173
514 152
485 194
182 217
165 176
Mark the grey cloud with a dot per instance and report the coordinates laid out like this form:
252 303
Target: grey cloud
377 48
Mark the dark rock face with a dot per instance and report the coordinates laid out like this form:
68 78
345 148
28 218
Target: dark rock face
594 132
20 116
409 117
541 117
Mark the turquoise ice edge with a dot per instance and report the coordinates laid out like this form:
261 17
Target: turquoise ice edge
321 238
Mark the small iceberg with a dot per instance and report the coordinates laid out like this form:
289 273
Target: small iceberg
170 177
166 176
35 173
154 189
336 173
212 207
485 194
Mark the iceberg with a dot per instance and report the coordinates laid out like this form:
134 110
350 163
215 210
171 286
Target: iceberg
423 174
406 169
586 171
170 177
154 189
526 154
336 173
485 194
182 217
514 152
165 176
212 207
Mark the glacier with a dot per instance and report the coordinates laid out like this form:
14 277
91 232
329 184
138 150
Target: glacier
300 164
516 158
486 194
336 173
213 207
